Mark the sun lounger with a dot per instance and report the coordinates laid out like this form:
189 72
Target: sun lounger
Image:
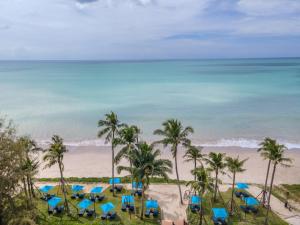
100 198
50 210
155 213
123 208
81 212
245 209
59 209
112 216
218 221
119 188
73 196
131 208
90 212
147 213
104 216
81 196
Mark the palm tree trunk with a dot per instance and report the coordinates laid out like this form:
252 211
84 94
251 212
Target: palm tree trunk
29 187
195 166
266 184
177 175
63 186
25 190
216 185
142 200
201 209
231 203
270 193
113 162
32 188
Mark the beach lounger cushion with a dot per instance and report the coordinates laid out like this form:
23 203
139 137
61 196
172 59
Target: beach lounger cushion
81 212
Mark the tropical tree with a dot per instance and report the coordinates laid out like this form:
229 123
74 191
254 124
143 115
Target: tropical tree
234 165
202 184
266 149
110 127
30 161
216 163
174 135
54 155
145 164
128 138
277 157
193 154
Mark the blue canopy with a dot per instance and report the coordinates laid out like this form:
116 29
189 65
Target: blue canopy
251 201
107 207
127 199
46 188
84 204
220 213
54 201
242 185
117 180
137 185
151 204
77 188
195 200
96 190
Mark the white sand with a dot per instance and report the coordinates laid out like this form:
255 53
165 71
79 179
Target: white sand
96 162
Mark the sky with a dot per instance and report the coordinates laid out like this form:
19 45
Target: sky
148 29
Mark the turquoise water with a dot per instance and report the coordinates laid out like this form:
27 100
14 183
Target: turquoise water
228 102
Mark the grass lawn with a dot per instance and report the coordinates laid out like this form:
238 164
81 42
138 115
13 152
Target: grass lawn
122 217
293 189
239 216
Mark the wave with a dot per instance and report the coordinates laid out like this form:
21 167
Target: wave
234 142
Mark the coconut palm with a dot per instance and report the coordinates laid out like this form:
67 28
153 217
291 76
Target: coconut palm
175 134
110 127
202 184
266 148
54 155
234 165
277 158
193 154
216 163
145 164
128 137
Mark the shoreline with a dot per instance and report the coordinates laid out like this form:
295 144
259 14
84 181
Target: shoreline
93 161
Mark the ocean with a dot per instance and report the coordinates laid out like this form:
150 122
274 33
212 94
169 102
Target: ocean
232 102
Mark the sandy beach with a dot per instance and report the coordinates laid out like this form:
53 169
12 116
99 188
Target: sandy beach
96 162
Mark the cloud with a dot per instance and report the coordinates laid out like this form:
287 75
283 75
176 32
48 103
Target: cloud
134 29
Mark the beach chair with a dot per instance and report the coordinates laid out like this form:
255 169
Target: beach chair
253 209
124 207
81 212
147 213
131 208
112 215
50 210
119 188
104 216
90 212
93 198
59 209
245 209
73 196
155 213
81 196
100 197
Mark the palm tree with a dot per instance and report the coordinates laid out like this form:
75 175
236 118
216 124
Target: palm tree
277 158
266 148
194 154
234 165
146 164
174 134
128 137
110 127
216 163
54 155
202 184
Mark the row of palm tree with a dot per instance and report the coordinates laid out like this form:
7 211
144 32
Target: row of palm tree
144 161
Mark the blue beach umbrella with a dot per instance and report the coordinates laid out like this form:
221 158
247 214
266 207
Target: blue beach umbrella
220 213
116 180
84 204
96 190
106 208
195 200
127 199
54 201
77 188
151 204
138 185
251 201
242 185
46 188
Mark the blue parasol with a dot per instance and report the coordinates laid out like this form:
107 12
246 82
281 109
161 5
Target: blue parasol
77 188
220 213
117 180
84 204
107 207
195 200
54 201
242 185
46 188
151 204
96 190
127 199
251 201
138 185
